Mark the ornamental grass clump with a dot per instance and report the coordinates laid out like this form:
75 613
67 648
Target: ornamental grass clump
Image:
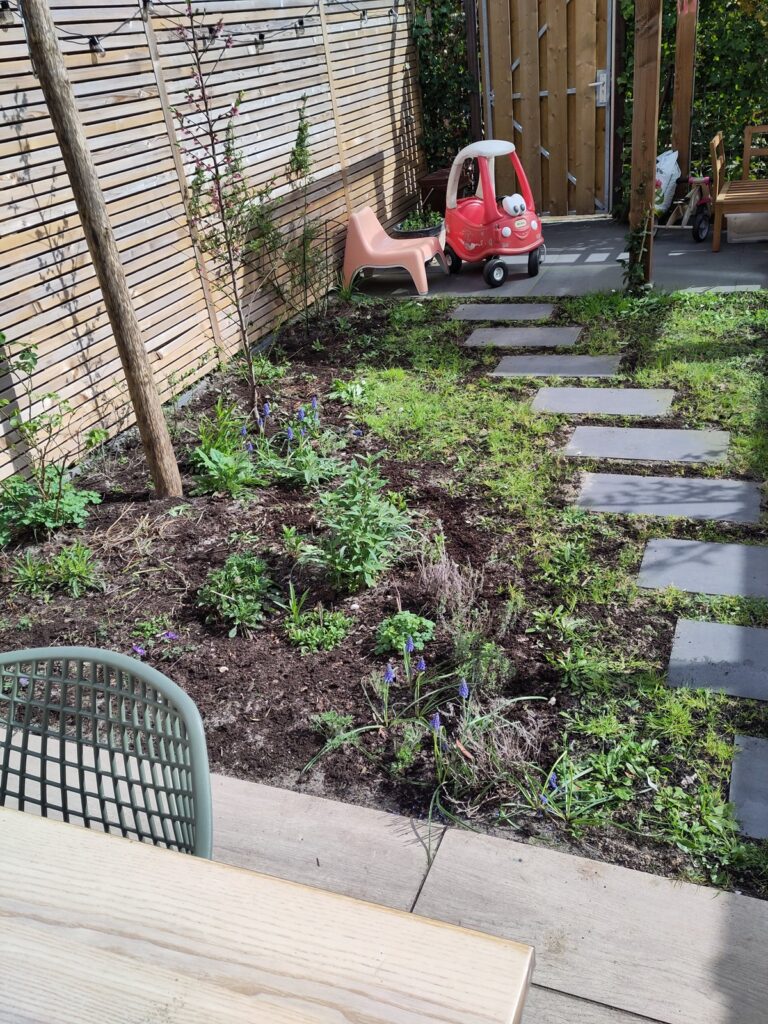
363 531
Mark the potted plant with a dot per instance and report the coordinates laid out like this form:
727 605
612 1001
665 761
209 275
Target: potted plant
420 223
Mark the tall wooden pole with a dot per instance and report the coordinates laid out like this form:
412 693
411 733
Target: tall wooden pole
51 71
685 63
645 122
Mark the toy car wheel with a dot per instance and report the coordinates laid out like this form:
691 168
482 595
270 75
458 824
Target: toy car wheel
534 261
454 262
700 226
495 273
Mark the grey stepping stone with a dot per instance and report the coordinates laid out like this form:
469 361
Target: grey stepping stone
557 366
503 311
717 656
643 444
523 337
733 501
605 401
739 570
749 786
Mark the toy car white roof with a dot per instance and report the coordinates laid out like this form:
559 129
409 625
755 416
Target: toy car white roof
488 148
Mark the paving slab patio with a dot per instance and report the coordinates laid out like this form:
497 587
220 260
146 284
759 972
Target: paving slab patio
523 337
698 567
646 444
557 366
733 501
508 311
721 657
604 401
749 788
669 951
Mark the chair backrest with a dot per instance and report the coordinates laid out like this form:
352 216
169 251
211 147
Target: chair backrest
102 740
367 224
717 153
750 149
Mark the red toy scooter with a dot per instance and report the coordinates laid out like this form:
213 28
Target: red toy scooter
481 228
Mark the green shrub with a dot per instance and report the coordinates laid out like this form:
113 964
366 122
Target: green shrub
362 529
394 631
239 593
72 570
223 473
40 506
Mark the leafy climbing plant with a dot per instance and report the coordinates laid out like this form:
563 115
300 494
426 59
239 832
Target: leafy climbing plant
439 32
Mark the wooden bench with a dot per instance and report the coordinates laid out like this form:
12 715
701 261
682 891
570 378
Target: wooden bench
743 196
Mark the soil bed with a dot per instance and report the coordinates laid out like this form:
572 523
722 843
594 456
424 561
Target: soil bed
257 694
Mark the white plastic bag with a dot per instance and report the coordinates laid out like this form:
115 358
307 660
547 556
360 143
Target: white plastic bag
667 173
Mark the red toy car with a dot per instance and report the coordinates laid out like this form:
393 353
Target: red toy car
481 227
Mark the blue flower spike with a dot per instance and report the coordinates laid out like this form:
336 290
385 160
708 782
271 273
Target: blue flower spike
410 646
267 410
389 675
314 403
289 433
434 722
421 665
301 415
243 431
463 689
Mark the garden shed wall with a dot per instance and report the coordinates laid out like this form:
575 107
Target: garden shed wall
353 61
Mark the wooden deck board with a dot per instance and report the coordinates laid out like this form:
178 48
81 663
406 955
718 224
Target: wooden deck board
673 952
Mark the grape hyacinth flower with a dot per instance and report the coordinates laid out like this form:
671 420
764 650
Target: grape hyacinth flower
243 431
260 422
289 433
170 635
301 415
357 432
303 431
138 650
313 403
267 410
421 665
389 675
409 645
552 780
463 689
249 447
434 722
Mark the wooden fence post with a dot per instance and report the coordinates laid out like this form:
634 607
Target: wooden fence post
57 91
645 123
685 63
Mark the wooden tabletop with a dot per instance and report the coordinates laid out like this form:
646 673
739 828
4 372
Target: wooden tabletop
97 929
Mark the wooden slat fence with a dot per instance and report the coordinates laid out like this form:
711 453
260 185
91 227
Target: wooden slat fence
356 65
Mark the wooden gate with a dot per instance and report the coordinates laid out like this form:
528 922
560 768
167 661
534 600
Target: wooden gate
550 64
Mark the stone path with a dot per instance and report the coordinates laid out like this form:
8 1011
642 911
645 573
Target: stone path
644 444
732 501
716 656
729 658
523 337
557 366
749 786
509 311
698 567
604 401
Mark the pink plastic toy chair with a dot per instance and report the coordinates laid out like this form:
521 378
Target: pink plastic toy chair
368 245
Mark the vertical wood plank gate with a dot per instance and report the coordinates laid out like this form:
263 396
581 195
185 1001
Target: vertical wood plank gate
551 70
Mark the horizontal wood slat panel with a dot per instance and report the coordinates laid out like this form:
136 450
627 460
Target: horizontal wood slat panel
364 109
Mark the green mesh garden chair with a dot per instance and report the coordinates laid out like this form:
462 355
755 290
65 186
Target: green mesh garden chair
104 741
